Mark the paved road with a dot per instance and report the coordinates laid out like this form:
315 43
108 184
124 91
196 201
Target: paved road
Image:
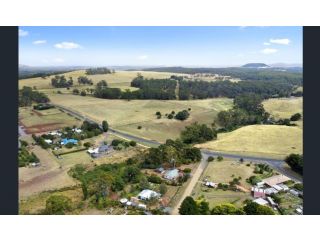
277 164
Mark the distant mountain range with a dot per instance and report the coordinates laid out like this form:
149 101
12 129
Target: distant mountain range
255 65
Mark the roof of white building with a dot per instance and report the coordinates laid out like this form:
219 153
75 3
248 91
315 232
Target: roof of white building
147 194
261 201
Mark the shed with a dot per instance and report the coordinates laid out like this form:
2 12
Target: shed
123 200
261 201
258 192
270 191
277 187
284 187
210 184
274 180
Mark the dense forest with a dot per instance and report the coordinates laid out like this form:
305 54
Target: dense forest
288 75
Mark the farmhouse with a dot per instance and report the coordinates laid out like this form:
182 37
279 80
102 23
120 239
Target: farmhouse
147 194
65 141
172 174
274 180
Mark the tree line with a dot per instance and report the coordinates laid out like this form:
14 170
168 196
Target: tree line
99 70
191 207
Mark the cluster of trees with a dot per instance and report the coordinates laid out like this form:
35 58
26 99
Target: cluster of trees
58 205
99 70
191 207
248 109
60 81
118 144
296 117
172 153
198 133
25 158
42 106
182 115
295 161
102 91
84 80
40 140
100 182
27 96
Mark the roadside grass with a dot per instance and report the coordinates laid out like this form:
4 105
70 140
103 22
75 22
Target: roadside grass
283 107
259 140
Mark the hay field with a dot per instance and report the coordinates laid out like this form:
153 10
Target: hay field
120 79
283 107
259 140
128 115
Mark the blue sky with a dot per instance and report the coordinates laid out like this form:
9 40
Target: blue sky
169 46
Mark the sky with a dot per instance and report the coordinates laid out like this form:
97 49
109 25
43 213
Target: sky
159 46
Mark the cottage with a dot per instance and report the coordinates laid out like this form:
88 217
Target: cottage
261 201
147 194
258 192
172 174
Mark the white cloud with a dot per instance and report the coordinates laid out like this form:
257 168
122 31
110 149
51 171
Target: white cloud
269 50
67 45
266 43
58 60
283 41
39 42
142 57
23 33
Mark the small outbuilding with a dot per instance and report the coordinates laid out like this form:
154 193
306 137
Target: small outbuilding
258 192
48 141
261 201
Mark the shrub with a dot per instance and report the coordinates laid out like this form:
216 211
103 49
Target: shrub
154 179
210 159
75 91
170 116
87 144
83 93
183 115
132 143
187 170
139 127
296 117
219 158
163 188
57 205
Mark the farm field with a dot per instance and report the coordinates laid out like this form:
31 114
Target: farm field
283 107
120 79
259 140
46 120
126 116
224 172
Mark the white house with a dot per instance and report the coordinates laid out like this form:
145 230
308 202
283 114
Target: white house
77 130
48 141
210 184
147 194
93 150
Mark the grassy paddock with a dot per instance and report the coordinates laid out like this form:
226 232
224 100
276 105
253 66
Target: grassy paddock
259 140
283 107
128 115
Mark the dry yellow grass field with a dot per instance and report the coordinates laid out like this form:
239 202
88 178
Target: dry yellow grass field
120 79
259 140
128 115
283 107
